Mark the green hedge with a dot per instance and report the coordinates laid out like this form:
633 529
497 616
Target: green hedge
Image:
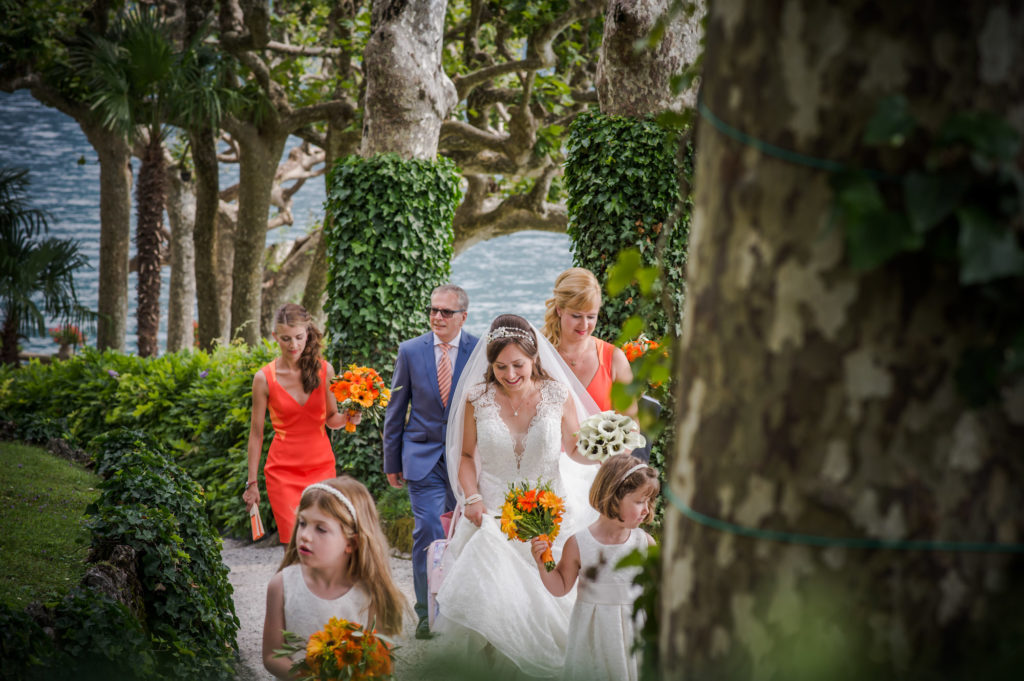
622 175
196 405
187 627
389 243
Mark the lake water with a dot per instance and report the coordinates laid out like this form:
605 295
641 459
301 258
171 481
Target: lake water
507 274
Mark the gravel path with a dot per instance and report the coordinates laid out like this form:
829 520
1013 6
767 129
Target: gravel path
252 564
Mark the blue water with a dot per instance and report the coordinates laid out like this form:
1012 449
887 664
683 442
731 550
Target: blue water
507 274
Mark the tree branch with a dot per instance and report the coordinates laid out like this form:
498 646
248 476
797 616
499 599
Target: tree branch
304 50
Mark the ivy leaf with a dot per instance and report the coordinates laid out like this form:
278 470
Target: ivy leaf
931 198
988 134
631 328
873 233
988 250
891 122
623 272
977 375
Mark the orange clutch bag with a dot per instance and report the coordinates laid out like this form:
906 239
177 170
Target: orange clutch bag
257 522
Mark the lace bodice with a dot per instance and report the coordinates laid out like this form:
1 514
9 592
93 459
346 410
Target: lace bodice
505 459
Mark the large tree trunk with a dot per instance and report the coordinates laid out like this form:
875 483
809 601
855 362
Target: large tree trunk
115 235
632 82
149 199
819 400
209 310
408 93
181 214
260 155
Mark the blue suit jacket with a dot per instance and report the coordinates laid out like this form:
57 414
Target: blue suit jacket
413 447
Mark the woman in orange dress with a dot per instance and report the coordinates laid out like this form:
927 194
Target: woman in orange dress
294 387
569 320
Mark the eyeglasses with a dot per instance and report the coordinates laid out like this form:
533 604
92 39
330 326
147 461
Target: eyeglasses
447 314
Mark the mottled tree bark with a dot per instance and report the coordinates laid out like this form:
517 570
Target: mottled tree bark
209 309
260 154
115 236
181 298
819 400
632 82
408 94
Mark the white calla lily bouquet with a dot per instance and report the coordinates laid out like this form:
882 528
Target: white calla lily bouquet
608 434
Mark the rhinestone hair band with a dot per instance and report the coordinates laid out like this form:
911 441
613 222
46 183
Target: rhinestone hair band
509 332
337 495
630 472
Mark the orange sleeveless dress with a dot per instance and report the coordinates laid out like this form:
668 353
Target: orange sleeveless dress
600 386
300 453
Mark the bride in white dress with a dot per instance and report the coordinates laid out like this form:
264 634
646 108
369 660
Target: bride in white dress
515 410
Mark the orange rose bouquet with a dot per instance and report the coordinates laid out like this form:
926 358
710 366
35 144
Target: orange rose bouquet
360 389
341 650
530 512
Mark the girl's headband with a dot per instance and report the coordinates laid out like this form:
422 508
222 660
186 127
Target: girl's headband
510 332
338 495
630 472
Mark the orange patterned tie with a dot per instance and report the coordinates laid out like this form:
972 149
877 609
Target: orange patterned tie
444 373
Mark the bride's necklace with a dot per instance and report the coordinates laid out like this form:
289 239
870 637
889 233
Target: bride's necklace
515 410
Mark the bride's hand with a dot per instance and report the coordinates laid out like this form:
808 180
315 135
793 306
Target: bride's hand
475 512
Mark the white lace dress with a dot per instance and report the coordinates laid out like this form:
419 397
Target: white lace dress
602 626
492 593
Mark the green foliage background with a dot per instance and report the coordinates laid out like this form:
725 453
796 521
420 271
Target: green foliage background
196 404
178 621
623 178
622 175
389 244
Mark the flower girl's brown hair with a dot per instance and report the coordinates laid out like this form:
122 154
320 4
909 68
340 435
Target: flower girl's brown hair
369 563
618 476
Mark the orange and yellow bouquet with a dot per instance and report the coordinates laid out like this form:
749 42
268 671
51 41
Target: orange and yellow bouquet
360 389
531 512
341 650
636 349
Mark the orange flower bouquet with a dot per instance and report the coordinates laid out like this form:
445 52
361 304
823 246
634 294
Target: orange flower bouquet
360 389
637 348
530 512
341 650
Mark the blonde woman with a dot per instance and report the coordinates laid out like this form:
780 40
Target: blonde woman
569 321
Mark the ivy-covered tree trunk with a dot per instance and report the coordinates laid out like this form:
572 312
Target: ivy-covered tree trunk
818 399
209 311
115 236
150 199
408 94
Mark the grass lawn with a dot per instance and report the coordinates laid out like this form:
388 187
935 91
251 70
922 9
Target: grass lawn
43 540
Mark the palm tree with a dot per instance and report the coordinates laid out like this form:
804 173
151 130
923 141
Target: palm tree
31 267
139 83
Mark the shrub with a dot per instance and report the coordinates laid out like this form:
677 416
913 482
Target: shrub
150 504
389 243
188 625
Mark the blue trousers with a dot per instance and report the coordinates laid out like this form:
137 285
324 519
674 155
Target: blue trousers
429 497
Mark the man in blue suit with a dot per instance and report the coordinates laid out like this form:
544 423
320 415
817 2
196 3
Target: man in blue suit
426 372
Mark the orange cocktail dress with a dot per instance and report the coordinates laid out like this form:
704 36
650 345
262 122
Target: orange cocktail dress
300 453
600 386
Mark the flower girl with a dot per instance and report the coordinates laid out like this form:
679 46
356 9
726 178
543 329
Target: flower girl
601 628
336 565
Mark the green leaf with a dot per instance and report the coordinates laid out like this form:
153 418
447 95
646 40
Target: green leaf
631 328
988 250
988 134
624 271
891 123
931 198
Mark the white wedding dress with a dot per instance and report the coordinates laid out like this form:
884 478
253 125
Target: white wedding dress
492 593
